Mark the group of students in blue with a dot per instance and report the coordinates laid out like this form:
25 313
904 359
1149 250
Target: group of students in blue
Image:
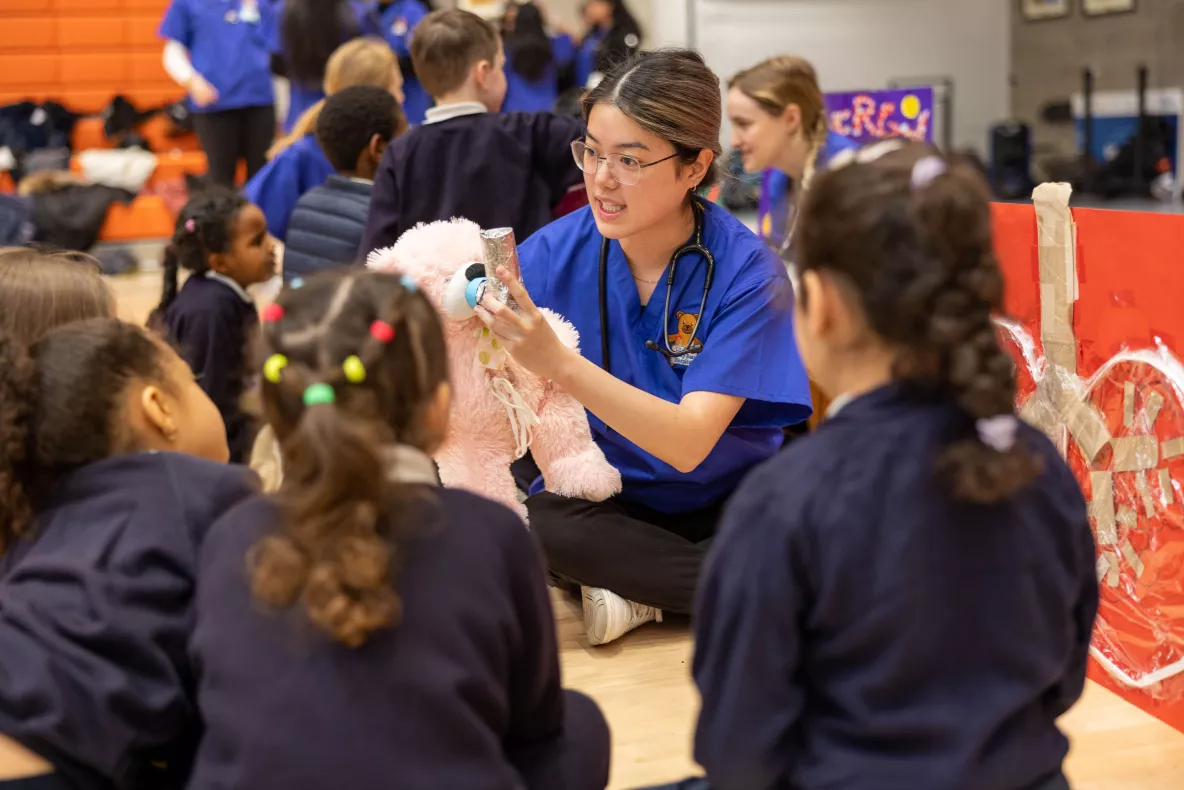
903 597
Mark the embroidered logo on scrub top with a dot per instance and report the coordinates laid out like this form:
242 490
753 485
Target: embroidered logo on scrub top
399 28
687 323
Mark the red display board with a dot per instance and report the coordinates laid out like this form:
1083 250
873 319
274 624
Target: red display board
1119 419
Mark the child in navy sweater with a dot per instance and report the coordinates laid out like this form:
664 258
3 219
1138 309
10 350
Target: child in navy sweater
354 128
386 632
105 495
468 160
223 241
904 599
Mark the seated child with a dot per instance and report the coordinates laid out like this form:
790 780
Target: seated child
103 505
904 598
387 630
223 241
353 129
39 291
296 163
468 160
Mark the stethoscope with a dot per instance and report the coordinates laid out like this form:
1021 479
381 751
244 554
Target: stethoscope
695 247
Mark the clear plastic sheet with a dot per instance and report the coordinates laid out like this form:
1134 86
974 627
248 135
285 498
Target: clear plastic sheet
1122 432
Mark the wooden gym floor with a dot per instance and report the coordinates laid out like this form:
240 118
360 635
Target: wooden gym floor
643 684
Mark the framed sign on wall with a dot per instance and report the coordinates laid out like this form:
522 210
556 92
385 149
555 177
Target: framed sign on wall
1102 7
1044 9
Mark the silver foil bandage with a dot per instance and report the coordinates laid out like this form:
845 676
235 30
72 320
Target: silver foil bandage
501 250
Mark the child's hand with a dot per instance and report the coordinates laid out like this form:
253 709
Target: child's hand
527 334
203 93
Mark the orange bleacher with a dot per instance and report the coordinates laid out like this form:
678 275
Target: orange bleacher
81 53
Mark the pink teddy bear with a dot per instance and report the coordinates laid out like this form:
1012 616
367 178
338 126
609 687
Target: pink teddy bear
499 407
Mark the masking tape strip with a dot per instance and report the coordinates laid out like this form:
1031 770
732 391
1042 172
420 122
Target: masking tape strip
1127 517
1151 409
1173 447
1083 421
1166 492
1056 239
1101 507
1112 571
1134 453
1103 565
1144 490
1128 405
1128 552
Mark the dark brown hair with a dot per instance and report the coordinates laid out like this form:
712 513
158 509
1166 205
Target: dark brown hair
919 257
42 290
61 402
337 550
672 94
447 44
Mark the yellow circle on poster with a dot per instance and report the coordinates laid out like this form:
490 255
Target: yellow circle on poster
910 106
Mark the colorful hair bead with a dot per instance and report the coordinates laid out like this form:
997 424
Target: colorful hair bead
297 283
409 283
273 312
274 367
190 225
355 371
382 332
318 394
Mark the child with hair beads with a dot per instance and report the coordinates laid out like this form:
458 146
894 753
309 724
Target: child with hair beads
223 241
104 500
903 599
386 630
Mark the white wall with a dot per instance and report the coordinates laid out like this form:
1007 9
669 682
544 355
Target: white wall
861 44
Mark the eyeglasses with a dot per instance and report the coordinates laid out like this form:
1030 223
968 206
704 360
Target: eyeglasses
625 170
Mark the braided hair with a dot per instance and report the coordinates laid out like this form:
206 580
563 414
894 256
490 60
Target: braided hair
911 233
204 227
354 363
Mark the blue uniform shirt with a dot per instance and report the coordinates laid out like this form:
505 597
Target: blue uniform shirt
539 96
858 628
276 188
746 332
231 53
301 96
398 23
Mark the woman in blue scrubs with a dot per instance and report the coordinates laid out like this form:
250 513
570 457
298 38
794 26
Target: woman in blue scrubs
538 65
218 51
398 24
613 35
305 35
701 369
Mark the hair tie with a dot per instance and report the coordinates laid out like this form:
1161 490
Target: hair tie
190 225
272 313
999 432
409 283
318 394
926 169
273 367
382 332
355 371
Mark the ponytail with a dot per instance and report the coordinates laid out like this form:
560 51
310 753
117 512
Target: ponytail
305 125
911 232
18 394
168 289
818 137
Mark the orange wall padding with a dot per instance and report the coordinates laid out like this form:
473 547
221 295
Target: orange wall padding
83 52
1128 328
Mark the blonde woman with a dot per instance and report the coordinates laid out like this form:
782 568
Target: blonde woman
297 162
779 126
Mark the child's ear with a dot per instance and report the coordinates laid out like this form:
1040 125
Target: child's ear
377 147
481 73
157 416
217 262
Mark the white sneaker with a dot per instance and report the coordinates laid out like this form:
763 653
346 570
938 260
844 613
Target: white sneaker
608 616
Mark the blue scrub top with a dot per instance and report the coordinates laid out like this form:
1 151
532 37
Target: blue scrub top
398 23
747 336
230 53
276 188
540 96
773 207
301 97
586 55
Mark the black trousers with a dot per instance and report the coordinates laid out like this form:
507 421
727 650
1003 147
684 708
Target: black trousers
642 555
230 135
581 761
1058 782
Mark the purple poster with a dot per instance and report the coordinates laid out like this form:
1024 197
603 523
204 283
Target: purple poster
866 116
